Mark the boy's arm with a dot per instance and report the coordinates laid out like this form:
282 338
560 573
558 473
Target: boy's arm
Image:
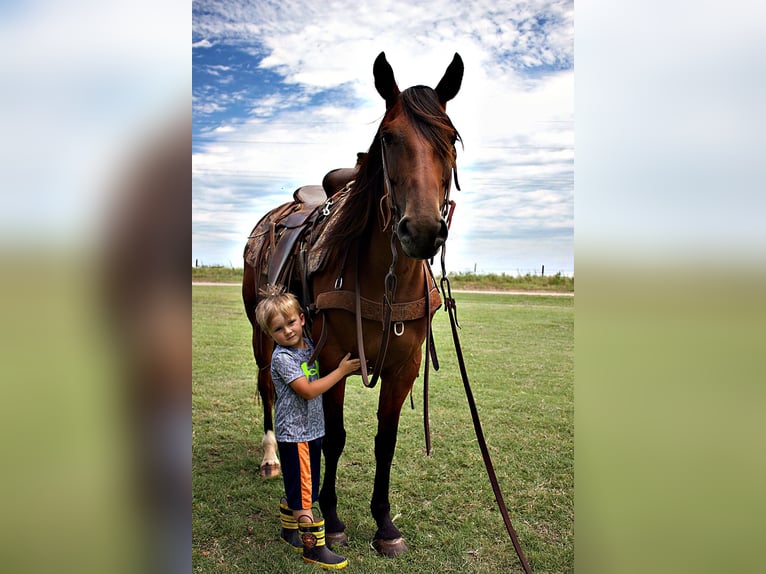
311 390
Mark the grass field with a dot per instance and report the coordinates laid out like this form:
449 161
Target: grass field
519 353
557 282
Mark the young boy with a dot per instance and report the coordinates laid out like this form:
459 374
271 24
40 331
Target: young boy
299 423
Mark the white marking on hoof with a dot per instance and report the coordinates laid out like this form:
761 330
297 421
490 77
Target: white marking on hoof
270 464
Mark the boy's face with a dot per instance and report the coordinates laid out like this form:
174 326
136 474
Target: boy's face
287 330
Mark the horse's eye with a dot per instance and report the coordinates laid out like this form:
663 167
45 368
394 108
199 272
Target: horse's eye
387 138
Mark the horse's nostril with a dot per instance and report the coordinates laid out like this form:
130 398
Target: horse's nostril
403 230
441 237
443 230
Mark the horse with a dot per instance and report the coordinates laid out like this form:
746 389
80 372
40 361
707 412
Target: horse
376 234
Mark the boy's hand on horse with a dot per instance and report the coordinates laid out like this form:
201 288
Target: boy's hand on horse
349 366
310 390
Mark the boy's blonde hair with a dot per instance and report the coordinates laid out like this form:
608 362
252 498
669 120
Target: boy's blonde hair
276 301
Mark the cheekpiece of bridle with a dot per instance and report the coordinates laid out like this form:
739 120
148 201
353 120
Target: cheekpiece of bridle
447 208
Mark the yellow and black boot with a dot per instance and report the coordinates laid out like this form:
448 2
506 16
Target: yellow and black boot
315 551
289 527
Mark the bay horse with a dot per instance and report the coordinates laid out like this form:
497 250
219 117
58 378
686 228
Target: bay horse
374 235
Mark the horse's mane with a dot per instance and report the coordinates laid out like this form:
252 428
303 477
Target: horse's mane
423 110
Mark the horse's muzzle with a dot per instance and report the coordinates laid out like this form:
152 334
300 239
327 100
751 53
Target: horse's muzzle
421 240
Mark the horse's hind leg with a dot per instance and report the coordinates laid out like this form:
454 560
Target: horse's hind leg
270 466
332 445
262 348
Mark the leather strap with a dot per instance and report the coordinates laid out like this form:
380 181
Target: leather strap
387 321
319 344
363 308
449 305
374 310
429 341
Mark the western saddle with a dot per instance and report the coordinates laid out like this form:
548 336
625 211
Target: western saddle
275 243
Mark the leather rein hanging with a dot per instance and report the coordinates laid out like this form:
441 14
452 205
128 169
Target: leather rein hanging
451 308
448 208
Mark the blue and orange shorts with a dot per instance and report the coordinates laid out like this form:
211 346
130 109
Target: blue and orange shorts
301 472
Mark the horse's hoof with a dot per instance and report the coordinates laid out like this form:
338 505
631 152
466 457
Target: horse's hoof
270 470
333 539
390 548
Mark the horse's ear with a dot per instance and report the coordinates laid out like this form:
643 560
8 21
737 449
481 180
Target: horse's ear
384 80
449 85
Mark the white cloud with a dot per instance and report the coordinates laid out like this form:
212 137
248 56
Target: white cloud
518 129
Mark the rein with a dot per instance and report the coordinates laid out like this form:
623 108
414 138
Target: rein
386 330
451 308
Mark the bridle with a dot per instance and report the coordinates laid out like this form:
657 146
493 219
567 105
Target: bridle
447 206
390 282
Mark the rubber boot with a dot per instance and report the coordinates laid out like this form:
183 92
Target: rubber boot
289 527
315 550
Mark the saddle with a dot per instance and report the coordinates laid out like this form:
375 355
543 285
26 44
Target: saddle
276 244
337 179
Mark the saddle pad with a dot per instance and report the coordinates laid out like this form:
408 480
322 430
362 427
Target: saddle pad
317 254
260 235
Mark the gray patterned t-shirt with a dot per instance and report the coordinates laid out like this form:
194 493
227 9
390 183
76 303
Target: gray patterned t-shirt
295 418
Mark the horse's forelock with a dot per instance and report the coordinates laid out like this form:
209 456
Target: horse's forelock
422 106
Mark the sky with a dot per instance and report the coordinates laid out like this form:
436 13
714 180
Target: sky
283 92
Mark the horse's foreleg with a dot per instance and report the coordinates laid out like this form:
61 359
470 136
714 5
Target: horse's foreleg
332 445
388 540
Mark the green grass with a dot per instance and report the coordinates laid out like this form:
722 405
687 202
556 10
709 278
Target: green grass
468 281
503 282
217 274
519 353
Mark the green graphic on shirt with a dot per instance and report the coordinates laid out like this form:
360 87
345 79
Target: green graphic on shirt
312 371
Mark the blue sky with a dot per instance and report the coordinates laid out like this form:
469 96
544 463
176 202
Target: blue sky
283 92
